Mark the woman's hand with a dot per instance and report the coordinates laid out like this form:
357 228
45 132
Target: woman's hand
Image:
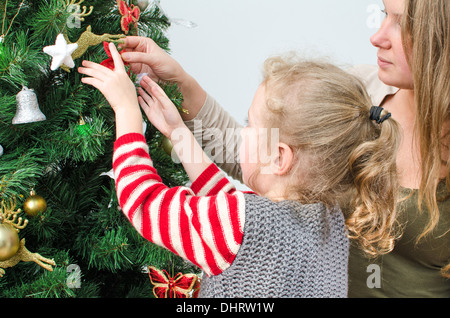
146 57
160 110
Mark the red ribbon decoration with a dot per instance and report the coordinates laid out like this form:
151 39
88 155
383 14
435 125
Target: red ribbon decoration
109 62
130 15
180 286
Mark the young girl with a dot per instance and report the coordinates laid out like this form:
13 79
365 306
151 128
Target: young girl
289 238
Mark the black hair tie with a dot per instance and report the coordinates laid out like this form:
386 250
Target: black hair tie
375 114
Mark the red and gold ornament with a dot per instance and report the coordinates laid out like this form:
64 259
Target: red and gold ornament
130 16
180 286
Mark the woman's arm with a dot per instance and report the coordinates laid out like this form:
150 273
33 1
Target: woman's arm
215 130
219 135
146 57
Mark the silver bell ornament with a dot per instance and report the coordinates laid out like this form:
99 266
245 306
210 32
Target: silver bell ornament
27 108
1 150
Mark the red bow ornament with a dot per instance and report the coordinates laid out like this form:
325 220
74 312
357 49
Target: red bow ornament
109 62
180 286
130 15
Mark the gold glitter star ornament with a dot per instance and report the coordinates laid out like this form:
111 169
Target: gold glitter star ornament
61 53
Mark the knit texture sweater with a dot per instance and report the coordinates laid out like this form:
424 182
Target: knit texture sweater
288 250
247 245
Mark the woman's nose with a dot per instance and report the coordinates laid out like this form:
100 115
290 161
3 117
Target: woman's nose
381 38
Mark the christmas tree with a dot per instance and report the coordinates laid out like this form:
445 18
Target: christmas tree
62 233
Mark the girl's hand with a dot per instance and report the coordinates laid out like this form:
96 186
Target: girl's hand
115 84
159 109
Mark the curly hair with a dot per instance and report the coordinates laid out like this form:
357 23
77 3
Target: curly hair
342 157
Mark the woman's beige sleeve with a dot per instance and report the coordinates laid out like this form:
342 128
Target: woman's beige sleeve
219 135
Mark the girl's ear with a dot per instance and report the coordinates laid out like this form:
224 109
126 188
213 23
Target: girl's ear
284 160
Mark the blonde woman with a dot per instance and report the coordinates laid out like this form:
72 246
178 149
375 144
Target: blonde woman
419 101
412 82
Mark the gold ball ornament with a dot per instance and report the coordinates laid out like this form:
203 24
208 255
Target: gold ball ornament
167 145
9 242
34 205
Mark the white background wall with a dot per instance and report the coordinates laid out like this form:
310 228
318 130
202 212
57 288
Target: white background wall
232 38
226 50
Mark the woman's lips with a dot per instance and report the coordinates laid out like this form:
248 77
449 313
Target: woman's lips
382 62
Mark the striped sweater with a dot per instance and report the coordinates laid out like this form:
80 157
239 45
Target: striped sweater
288 249
202 223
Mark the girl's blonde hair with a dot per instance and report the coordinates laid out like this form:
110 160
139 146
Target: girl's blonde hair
426 34
342 157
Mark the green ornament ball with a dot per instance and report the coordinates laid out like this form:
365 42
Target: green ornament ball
83 129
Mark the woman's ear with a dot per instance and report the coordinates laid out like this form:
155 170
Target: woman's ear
284 160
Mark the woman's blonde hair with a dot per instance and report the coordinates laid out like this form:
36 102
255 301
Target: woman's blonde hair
343 158
426 34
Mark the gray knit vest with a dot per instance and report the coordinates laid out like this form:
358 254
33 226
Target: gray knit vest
289 250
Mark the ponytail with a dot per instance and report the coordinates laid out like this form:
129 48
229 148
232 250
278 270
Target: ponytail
345 152
374 207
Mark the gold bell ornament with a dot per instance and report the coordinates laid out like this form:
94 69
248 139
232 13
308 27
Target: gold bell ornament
27 108
35 204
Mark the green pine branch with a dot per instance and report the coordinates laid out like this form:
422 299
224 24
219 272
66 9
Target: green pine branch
64 161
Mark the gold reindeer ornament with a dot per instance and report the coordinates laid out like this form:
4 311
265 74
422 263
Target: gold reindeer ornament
64 50
88 39
12 250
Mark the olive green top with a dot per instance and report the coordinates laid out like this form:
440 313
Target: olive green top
412 269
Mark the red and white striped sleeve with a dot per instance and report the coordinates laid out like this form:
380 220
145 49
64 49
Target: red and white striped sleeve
203 223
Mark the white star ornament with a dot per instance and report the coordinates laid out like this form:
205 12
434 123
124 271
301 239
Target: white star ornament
61 53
